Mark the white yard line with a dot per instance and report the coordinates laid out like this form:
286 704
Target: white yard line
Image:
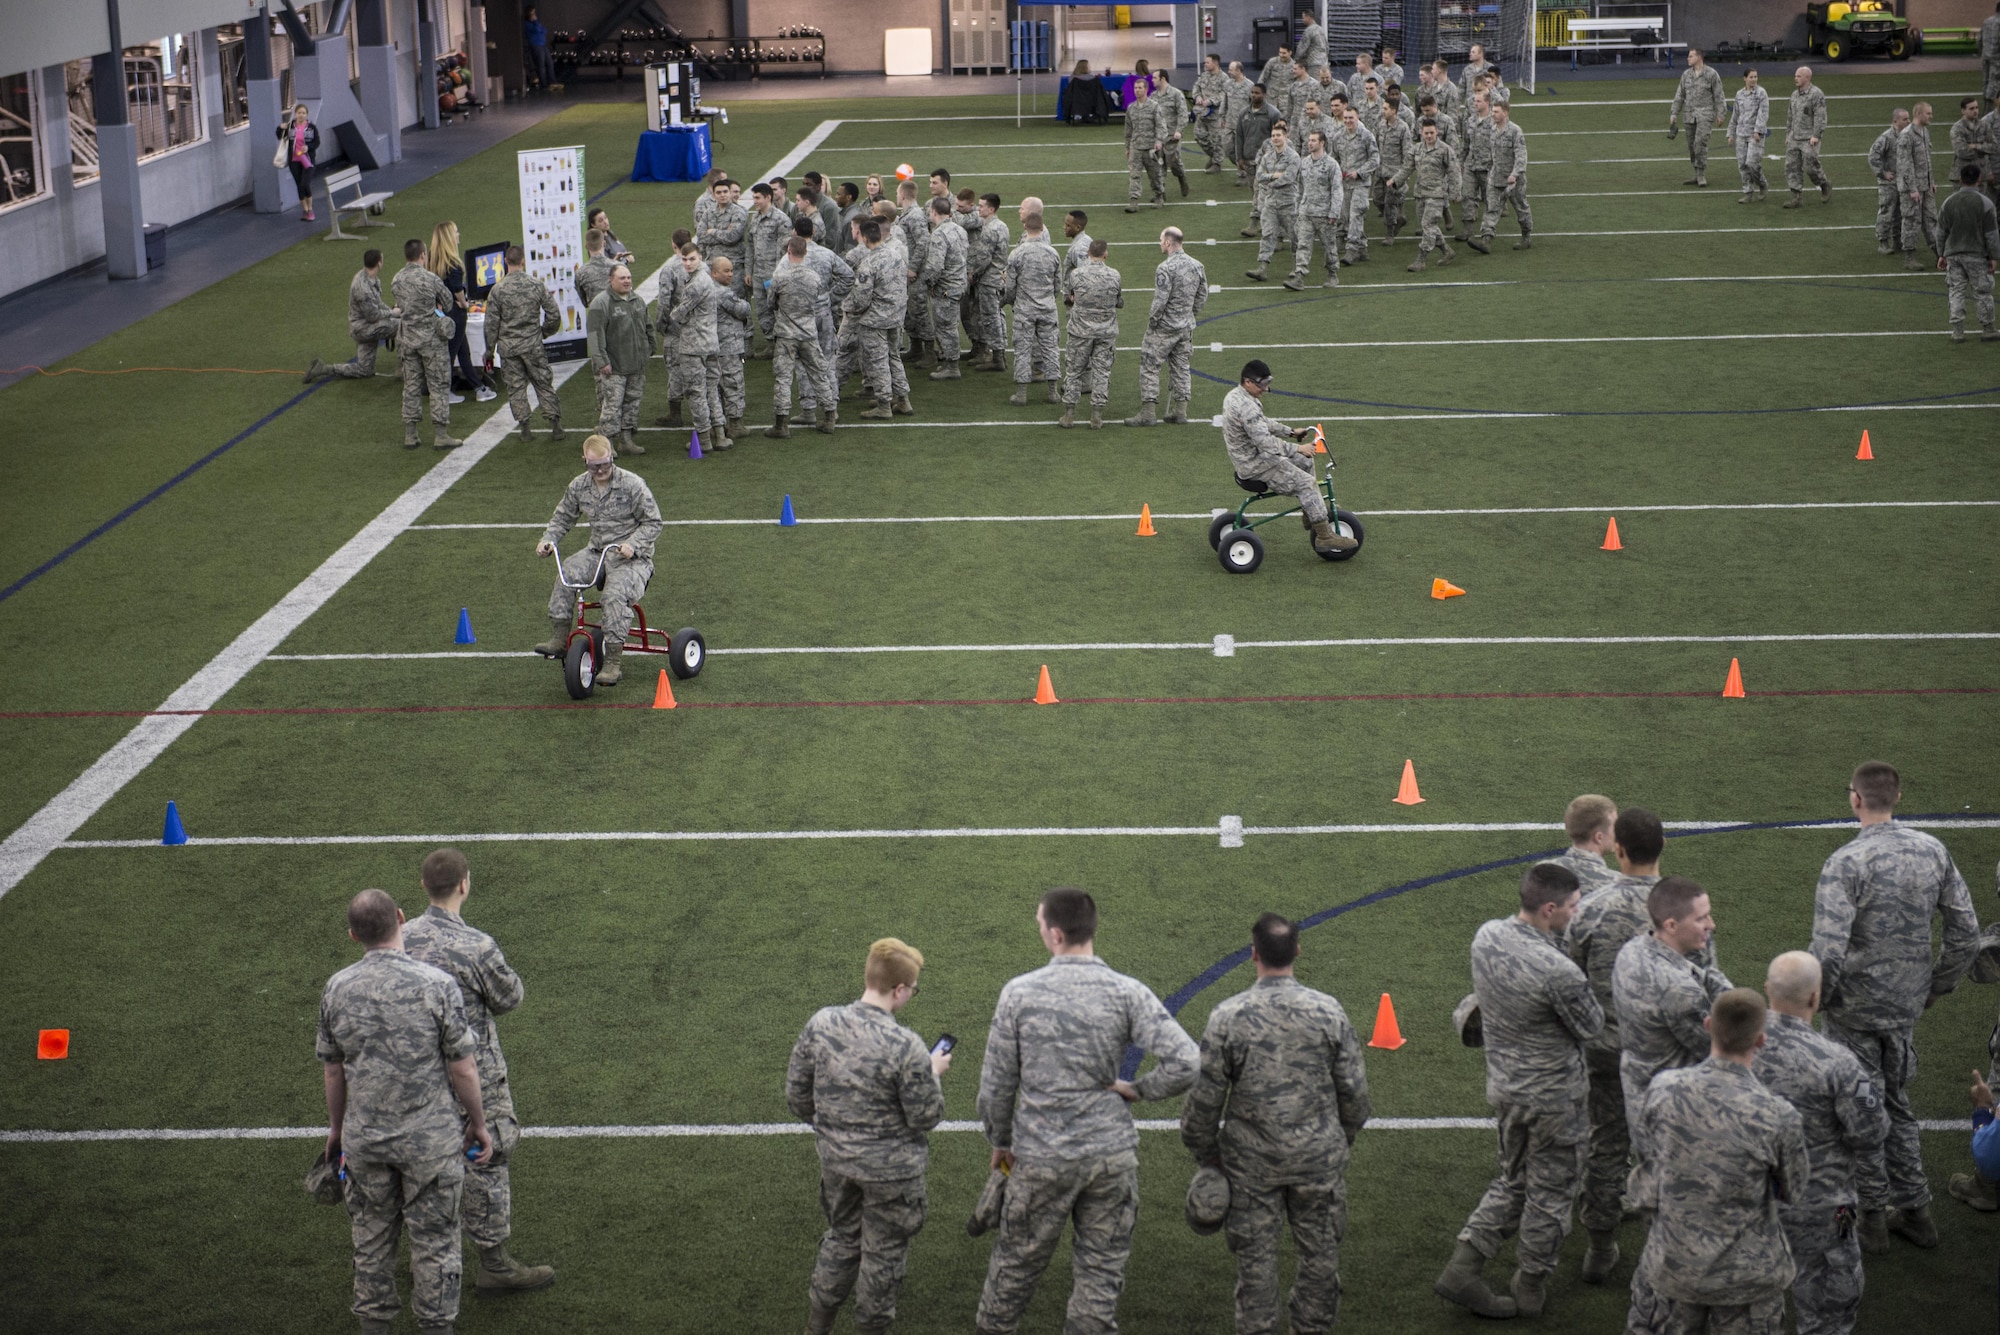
689 1130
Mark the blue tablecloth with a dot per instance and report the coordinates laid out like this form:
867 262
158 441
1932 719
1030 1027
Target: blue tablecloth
1117 87
679 154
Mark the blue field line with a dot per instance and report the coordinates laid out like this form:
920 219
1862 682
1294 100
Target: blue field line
159 491
1217 971
606 190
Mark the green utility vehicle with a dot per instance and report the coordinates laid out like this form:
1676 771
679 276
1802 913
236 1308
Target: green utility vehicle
1842 28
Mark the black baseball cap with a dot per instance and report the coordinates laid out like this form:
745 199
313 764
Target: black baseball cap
1256 370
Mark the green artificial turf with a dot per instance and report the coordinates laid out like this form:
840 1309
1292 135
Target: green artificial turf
666 980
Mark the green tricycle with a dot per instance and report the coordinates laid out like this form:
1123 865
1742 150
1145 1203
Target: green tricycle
1232 533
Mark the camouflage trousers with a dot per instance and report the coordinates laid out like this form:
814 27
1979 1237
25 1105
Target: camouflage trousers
1389 203
729 383
365 343
1826 1295
1893 1173
881 364
944 325
1802 165
1968 274
1317 1213
1919 220
987 325
1700 125
767 309
1210 139
1144 165
866 1246
1101 1197
1750 163
1088 363
489 1191
1277 222
1173 349
425 368
1989 73
1498 195
695 377
1294 480
1653 1313
1888 214
801 359
381 1200
1610 1151
917 316
1541 1158
618 402
624 584
1432 217
1036 355
1473 201
846 358
531 367
1324 231
1354 221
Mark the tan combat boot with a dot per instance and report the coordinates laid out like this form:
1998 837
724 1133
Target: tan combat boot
1530 1293
1326 540
780 428
947 370
1463 1283
1600 1258
819 1320
902 407
556 431
629 444
411 440
1054 394
501 1273
1096 417
442 439
1068 419
827 417
1148 415
1914 1226
1019 398
881 411
1177 410
1975 1191
734 427
610 672
558 641
1258 272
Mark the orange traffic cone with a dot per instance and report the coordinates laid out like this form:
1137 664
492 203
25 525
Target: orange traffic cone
1045 692
1864 452
1407 793
52 1045
1319 438
1146 529
1444 588
1732 689
1611 543
663 694
1388 1034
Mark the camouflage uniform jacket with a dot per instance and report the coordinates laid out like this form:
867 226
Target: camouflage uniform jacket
1805 115
1510 152
1603 923
1839 1105
1750 112
795 293
1433 174
592 277
1180 290
1095 300
1663 996
1321 194
986 250
1968 146
944 261
1725 1152
394 1024
1913 160
486 982
1170 112
365 308
1033 271
693 316
623 512
1288 1065
1312 48
770 232
620 336
865 1083
1479 143
673 277
836 275
705 209
1276 76
880 296
1058 1037
1278 175
520 313
1537 1012
1872 927
1252 439
1235 101
1592 872
1469 74
420 295
1882 155
732 321
1357 152
914 224
724 235
1210 88
1077 255
1700 92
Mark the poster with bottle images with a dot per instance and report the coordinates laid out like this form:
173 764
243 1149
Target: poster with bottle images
552 211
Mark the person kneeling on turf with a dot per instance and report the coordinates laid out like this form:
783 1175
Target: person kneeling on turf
624 522
1261 449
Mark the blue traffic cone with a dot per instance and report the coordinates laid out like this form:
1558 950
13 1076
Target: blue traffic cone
465 635
175 832
694 446
787 519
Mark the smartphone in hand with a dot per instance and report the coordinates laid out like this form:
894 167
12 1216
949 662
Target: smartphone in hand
944 1045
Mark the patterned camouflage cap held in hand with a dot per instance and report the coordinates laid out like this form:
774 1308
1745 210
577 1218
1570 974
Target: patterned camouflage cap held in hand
1466 1019
323 1180
1986 961
986 1214
1207 1200
447 328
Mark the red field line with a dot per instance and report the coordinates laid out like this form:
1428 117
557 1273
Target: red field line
1374 698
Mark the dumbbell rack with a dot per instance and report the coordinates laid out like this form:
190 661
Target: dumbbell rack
715 57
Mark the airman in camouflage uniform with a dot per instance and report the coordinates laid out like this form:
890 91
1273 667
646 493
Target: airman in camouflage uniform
1536 1013
1094 297
520 313
1142 159
624 524
1312 43
794 294
1882 159
1725 1152
1433 173
770 232
1393 144
1916 181
870 1091
594 274
1968 147
1278 173
1872 916
1842 1115
943 280
732 338
1170 116
1805 126
724 234
1276 76
986 246
875 307
1478 162
1322 202
620 341
1058 1114
1699 99
393 1038
490 988
1749 127
1235 101
1354 146
695 374
1253 131
1288 1066
369 319
423 299
1989 142
1180 290
1032 274
1663 995
1211 103
1970 240
1506 183
1589 823
1268 452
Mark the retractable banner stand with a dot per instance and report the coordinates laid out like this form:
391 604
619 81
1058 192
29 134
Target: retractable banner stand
552 202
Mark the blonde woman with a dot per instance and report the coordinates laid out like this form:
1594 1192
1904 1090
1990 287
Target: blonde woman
445 260
298 148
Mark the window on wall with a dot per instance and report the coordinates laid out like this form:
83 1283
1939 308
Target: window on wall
82 118
235 60
20 141
163 94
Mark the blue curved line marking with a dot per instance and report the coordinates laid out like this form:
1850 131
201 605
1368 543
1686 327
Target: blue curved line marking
1217 971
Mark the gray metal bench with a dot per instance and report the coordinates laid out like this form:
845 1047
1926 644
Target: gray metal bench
361 204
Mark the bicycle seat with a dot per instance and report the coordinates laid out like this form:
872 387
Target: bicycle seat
1256 486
